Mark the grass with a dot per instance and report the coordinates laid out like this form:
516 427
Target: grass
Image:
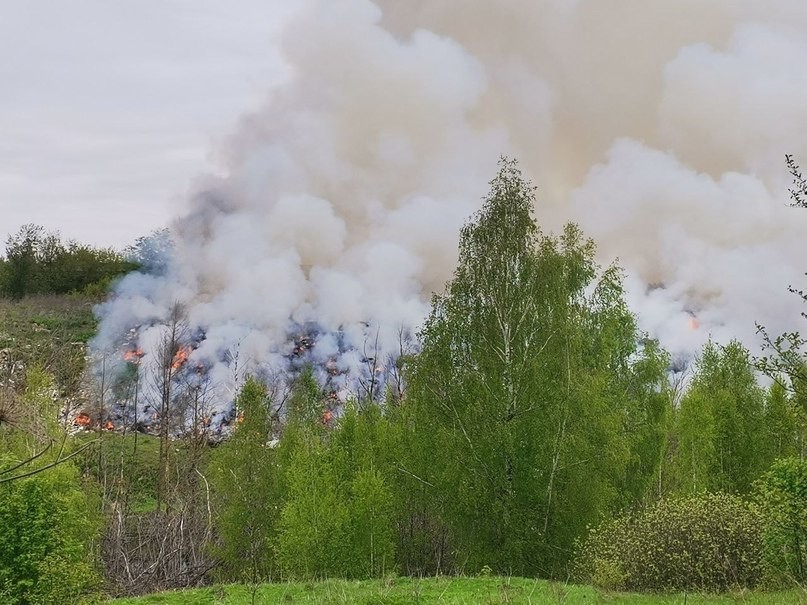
441 591
50 330
132 456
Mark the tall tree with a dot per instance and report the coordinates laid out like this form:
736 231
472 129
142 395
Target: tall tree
780 425
245 479
786 361
534 389
721 435
21 250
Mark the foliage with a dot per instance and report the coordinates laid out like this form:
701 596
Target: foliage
48 526
786 361
46 551
782 427
338 516
21 250
127 461
705 542
782 496
152 253
40 263
534 390
314 526
246 491
360 449
373 538
720 430
798 193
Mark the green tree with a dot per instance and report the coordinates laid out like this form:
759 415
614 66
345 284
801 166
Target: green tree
48 528
21 250
372 530
46 553
534 394
314 526
338 518
786 361
721 434
246 489
40 263
782 495
360 451
780 424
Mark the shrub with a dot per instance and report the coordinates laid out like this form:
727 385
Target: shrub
782 496
46 539
706 542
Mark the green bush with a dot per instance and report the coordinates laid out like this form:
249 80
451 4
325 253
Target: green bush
37 262
46 538
706 542
782 496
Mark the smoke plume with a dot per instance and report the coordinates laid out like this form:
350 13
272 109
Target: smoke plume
659 126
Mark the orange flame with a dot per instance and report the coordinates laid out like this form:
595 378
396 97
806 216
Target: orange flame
327 416
83 420
109 425
694 324
133 355
180 357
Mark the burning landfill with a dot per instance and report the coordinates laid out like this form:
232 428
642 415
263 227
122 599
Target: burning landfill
342 369
336 209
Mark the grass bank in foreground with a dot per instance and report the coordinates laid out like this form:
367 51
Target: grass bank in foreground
441 591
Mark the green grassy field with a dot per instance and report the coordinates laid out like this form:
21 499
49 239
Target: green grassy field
442 591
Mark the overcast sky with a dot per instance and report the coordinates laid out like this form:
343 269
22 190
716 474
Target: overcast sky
108 108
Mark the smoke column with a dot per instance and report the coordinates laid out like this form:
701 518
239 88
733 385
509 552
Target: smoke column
659 126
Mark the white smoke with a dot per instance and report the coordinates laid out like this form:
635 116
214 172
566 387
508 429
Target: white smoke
659 126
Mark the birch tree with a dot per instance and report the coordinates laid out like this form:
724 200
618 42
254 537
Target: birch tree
722 437
246 492
533 391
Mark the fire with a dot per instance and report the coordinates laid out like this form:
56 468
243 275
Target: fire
694 324
133 355
83 420
327 416
109 425
180 357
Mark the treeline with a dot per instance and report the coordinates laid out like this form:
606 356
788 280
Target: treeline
37 262
535 411
539 433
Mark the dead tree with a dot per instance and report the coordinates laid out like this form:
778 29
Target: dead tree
165 363
167 547
370 385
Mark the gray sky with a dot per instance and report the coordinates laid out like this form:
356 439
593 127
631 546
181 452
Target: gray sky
108 109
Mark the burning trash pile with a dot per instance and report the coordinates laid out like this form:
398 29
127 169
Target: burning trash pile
340 199
175 383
